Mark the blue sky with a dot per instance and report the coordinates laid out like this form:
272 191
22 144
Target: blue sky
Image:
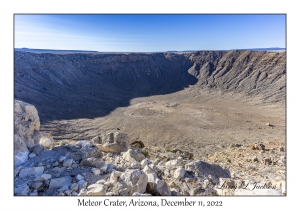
149 33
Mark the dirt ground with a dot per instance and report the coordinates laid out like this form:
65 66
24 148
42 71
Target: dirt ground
196 121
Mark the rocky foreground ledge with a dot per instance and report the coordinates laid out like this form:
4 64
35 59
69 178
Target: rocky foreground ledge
110 164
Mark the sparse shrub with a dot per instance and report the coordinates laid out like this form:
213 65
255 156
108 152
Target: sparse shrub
168 150
145 152
114 188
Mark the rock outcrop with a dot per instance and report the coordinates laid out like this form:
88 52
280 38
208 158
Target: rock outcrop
27 136
26 122
112 142
131 181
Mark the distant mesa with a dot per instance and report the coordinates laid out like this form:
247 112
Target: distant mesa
24 49
174 51
263 49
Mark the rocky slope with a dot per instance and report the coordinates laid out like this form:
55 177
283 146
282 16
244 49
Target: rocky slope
82 85
114 165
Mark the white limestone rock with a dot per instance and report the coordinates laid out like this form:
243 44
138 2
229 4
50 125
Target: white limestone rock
135 165
95 171
24 172
133 155
47 141
159 187
148 170
43 177
152 177
140 194
63 188
112 142
95 189
114 176
82 184
163 188
60 182
68 162
31 155
109 183
79 177
161 165
74 187
173 164
179 173
132 180
144 163
26 122
89 150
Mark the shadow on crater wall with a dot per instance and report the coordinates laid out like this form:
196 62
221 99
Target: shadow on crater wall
90 85
72 86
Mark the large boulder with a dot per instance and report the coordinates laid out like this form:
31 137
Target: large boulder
26 125
131 181
27 133
26 122
112 142
205 170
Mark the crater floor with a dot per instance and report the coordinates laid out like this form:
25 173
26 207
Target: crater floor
198 122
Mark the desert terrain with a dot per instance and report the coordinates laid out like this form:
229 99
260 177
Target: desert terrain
207 123
200 102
